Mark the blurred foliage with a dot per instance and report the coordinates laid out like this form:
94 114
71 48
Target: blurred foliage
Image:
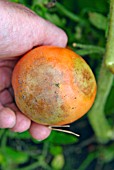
86 24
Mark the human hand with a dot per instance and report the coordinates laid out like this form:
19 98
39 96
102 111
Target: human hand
20 31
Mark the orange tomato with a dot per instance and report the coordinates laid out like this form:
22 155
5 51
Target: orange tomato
53 85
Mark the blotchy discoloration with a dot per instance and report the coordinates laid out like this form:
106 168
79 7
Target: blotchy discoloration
53 86
83 76
41 95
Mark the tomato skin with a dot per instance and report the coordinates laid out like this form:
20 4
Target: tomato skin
53 85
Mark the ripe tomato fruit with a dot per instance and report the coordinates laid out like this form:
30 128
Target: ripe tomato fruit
53 85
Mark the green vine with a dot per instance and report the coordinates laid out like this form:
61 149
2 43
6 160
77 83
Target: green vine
67 13
96 115
109 57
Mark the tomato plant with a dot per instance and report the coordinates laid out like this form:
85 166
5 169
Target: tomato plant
89 26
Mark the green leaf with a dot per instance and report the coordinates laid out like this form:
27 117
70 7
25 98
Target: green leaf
23 135
98 20
55 19
14 156
55 150
61 138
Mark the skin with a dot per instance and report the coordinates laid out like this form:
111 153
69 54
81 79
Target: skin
20 31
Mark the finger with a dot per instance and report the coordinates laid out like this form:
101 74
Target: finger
22 123
8 63
5 97
7 118
39 132
11 91
13 107
5 77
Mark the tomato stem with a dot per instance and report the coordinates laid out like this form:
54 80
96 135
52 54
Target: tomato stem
96 115
100 124
109 57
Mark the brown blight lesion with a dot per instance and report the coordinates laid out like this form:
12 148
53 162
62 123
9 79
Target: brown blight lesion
83 77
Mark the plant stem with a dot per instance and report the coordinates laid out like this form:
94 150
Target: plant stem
4 141
87 161
96 115
2 131
87 52
67 13
109 58
97 118
32 166
88 49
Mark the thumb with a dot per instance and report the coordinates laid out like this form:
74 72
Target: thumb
49 34
25 30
